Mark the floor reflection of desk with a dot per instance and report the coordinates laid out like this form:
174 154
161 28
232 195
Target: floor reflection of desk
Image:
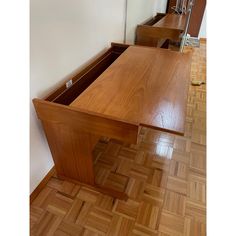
143 87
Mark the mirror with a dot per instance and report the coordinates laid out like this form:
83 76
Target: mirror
163 23
139 11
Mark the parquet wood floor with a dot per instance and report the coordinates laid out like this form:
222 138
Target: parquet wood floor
164 176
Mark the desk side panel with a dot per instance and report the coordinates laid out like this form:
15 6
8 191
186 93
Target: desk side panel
72 135
71 151
86 122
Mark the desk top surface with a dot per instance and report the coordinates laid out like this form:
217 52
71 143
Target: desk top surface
144 86
172 21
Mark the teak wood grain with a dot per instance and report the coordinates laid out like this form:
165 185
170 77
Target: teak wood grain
153 36
84 121
145 86
172 21
72 135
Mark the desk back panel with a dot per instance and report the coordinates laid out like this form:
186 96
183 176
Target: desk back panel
88 75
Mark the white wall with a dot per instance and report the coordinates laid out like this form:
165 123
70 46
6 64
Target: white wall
64 36
202 32
161 6
139 11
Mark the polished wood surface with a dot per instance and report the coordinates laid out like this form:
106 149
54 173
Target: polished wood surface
72 135
159 30
143 86
85 121
166 182
172 21
154 36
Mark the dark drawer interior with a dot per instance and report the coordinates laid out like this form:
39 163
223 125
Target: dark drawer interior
155 19
87 76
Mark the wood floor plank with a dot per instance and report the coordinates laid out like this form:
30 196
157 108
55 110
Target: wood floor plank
171 224
196 210
177 185
128 209
47 224
178 169
174 203
120 226
197 188
66 228
198 158
99 221
148 215
140 230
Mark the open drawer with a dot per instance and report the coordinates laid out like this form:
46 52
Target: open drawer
65 95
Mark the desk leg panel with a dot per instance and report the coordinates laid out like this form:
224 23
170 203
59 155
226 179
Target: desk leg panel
71 151
72 135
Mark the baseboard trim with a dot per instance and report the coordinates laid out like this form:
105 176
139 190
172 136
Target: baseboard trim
42 184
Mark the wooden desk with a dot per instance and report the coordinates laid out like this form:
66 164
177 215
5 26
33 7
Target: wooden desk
172 21
140 87
143 87
168 27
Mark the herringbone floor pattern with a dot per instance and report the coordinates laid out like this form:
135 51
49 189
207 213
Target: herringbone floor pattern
164 176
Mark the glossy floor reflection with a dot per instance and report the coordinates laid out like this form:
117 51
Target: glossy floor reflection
164 176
